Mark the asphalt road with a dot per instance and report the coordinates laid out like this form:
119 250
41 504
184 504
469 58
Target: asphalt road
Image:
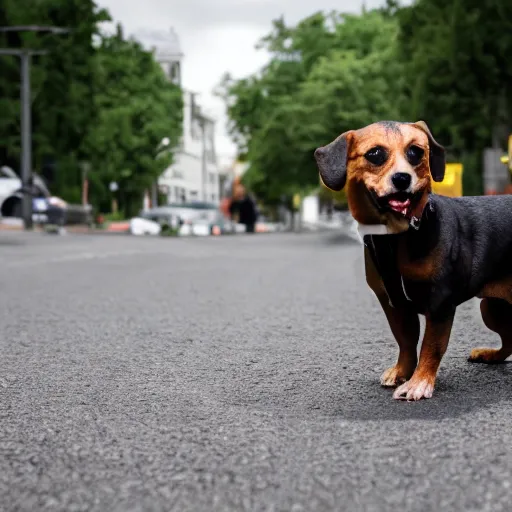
237 373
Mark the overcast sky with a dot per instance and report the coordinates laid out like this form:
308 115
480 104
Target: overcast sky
218 36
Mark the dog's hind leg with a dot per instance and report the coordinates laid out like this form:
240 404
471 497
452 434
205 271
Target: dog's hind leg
497 316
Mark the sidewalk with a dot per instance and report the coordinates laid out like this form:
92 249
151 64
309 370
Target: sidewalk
338 221
12 224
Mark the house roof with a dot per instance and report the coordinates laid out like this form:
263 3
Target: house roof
165 43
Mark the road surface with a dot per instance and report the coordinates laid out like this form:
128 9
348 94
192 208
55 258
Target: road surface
236 373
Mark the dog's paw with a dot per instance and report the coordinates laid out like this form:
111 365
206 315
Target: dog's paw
392 377
486 355
415 389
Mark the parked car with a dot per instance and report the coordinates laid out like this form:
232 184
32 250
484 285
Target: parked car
46 208
215 224
162 215
194 217
10 193
183 213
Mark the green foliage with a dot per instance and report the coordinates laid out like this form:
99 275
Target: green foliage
136 108
457 66
447 63
96 98
327 75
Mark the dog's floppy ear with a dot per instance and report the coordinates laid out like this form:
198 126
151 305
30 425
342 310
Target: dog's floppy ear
437 161
332 162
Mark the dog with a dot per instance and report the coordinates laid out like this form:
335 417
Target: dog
424 254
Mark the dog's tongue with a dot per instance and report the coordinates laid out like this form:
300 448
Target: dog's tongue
400 206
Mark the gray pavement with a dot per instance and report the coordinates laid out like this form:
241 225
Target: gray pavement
236 373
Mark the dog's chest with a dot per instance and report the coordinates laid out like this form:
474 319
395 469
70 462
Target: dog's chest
422 269
405 281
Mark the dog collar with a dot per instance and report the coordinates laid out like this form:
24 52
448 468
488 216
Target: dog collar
371 229
415 221
381 229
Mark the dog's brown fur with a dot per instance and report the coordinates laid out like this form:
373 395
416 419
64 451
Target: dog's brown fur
363 176
446 270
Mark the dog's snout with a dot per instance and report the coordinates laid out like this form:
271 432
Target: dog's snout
401 180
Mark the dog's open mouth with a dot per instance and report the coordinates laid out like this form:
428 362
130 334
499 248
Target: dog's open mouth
399 202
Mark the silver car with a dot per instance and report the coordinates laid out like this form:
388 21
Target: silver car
176 214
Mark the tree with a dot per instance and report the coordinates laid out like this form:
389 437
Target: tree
62 85
328 74
457 70
137 107
95 98
447 63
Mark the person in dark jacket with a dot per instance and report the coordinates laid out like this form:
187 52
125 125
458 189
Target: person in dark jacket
243 209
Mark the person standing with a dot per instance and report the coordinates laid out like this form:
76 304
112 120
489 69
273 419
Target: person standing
243 209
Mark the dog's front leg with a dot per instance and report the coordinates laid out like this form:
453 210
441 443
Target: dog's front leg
404 324
435 341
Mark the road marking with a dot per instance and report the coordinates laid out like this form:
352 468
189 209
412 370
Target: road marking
192 253
76 257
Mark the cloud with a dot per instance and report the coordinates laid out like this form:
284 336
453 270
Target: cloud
196 15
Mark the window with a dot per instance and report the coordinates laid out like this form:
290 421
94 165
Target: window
195 129
174 73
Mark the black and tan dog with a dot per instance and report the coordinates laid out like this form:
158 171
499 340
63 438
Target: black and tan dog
424 254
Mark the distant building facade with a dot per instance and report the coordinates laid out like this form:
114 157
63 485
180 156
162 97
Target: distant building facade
194 174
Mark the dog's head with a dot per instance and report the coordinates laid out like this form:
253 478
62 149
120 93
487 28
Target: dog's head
387 168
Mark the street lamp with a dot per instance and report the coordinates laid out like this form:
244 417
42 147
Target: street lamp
25 55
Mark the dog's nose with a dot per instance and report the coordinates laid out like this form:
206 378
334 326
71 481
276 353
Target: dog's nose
401 180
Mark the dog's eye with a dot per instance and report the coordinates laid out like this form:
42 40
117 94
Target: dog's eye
414 154
376 156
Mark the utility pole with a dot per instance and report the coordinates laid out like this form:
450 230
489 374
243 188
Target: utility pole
26 139
26 131
25 55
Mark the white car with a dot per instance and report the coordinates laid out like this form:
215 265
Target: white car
182 213
10 200
191 218
11 193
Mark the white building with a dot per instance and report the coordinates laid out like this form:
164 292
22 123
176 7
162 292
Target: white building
194 175
189 178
